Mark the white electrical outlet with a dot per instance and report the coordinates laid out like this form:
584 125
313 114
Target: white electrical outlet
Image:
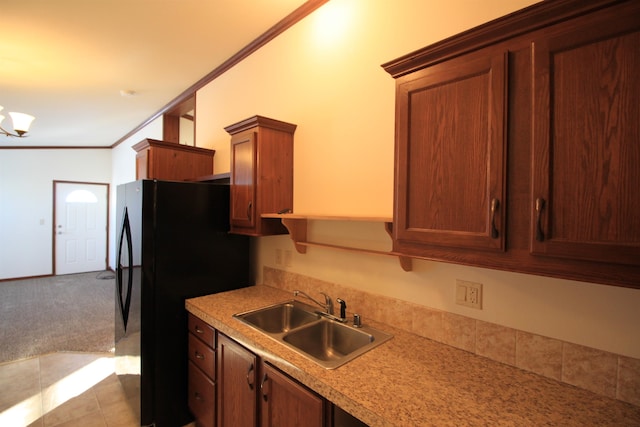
472 296
279 257
469 294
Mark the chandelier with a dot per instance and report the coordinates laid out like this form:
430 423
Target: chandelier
21 123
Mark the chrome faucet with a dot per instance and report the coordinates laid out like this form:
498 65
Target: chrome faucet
328 303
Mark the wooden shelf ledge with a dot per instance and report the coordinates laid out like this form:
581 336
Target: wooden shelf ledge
296 224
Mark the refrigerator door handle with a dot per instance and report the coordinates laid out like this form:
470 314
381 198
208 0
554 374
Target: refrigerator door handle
125 235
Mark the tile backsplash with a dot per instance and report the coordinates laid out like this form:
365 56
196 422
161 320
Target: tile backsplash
598 371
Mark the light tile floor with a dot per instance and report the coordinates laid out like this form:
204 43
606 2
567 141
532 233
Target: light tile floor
63 389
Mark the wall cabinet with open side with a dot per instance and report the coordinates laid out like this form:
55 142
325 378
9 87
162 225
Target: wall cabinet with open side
516 143
297 224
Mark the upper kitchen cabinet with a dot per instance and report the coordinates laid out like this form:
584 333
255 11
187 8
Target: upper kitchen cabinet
586 139
450 154
261 174
517 144
173 162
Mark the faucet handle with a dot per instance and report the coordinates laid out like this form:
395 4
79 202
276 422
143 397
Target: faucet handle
343 308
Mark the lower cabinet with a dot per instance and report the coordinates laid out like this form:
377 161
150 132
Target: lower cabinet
229 386
201 376
284 402
253 393
237 376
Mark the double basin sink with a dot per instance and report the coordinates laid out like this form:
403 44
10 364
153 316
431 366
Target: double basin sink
309 332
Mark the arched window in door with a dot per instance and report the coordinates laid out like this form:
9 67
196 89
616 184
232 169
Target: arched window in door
81 196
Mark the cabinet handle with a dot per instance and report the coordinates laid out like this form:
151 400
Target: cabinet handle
249 210
198 330
198 396
539 208
495 204
263 389
199 355
249 373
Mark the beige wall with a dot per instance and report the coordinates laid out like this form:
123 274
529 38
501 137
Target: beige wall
26 202
328 81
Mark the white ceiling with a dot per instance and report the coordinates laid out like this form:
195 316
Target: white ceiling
66 61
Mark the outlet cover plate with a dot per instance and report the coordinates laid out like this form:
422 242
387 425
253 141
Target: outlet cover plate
469 294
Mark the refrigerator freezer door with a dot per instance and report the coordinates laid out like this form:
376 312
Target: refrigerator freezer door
128 361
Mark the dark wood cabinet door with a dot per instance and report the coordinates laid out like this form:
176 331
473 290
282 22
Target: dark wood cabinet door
285 403
243 164
261 174
450 154
237 378
586 139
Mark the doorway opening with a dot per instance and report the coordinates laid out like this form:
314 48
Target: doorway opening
80 227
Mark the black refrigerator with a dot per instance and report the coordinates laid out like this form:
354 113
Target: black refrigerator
172 244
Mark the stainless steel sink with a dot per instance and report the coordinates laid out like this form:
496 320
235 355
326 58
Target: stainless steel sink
306 330
280 317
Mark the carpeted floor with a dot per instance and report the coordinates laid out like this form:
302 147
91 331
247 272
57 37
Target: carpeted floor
73 312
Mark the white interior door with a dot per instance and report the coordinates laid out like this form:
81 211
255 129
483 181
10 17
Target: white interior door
80 227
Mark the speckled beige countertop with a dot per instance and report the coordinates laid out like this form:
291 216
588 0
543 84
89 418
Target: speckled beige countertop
413 381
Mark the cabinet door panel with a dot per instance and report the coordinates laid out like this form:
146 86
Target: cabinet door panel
243 180
586 146
237 378
201 398
451 154
285 403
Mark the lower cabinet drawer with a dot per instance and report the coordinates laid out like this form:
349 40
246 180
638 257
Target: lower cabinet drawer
201 330
202 392
202 356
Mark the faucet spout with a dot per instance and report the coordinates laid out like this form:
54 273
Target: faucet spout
328 303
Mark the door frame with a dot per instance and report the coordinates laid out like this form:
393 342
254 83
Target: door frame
53 222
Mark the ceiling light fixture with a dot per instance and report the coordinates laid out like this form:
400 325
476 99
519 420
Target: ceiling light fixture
21 123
